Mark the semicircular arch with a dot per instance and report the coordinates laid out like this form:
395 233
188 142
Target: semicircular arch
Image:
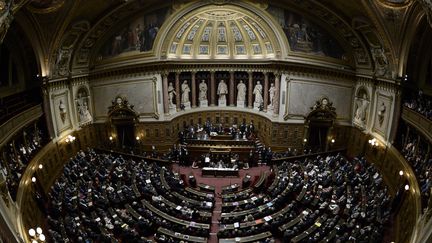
228 31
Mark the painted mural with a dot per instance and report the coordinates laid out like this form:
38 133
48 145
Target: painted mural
136 36
305 36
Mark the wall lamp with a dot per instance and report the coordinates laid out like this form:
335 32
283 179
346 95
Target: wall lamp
373 142
70 139
36 235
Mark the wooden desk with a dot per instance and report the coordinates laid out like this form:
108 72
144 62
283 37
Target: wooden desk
250 238
310 230
174 219
275 180
257 221
242 202
241 194
180 236
294 221
206 187
260 181
230 188
202 195
208 205
222 172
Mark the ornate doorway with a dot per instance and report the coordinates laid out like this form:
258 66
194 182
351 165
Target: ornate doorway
123 120
319 124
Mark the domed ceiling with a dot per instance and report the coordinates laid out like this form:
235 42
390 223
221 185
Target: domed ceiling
222 33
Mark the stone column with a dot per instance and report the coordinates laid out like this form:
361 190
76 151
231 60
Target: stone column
177 89
250 89
212 89
231 89
266 88
277 94
165 92
194 98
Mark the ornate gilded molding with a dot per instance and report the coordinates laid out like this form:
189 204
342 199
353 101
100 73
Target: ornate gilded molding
6 17
7 9
88 43
62 64
52 7
427 6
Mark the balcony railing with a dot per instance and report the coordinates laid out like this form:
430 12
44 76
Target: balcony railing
418 121
14 124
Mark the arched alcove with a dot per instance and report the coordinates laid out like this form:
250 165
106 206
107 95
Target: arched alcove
123 119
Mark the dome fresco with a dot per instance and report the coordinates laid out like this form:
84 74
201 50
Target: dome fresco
223 32
136 36
305 36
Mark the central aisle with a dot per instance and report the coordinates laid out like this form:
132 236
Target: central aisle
218 183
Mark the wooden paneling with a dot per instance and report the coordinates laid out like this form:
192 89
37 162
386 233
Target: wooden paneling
389 162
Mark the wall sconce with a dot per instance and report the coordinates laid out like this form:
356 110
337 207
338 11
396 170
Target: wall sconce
137 138
333 140
40 166
36 235
305 140
373 142
401 172
110 138
33 179
407 187
70 139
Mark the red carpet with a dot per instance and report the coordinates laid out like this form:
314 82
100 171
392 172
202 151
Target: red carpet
218 183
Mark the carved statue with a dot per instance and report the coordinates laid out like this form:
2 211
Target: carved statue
202 90
82 107
62 110
241 91
381 61
171 93
258 93
222 90
361 111
381 113
272 93
185 92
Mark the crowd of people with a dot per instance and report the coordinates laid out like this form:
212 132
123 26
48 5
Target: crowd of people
203 132
415 151
102 197
347 197
420 103
18 153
